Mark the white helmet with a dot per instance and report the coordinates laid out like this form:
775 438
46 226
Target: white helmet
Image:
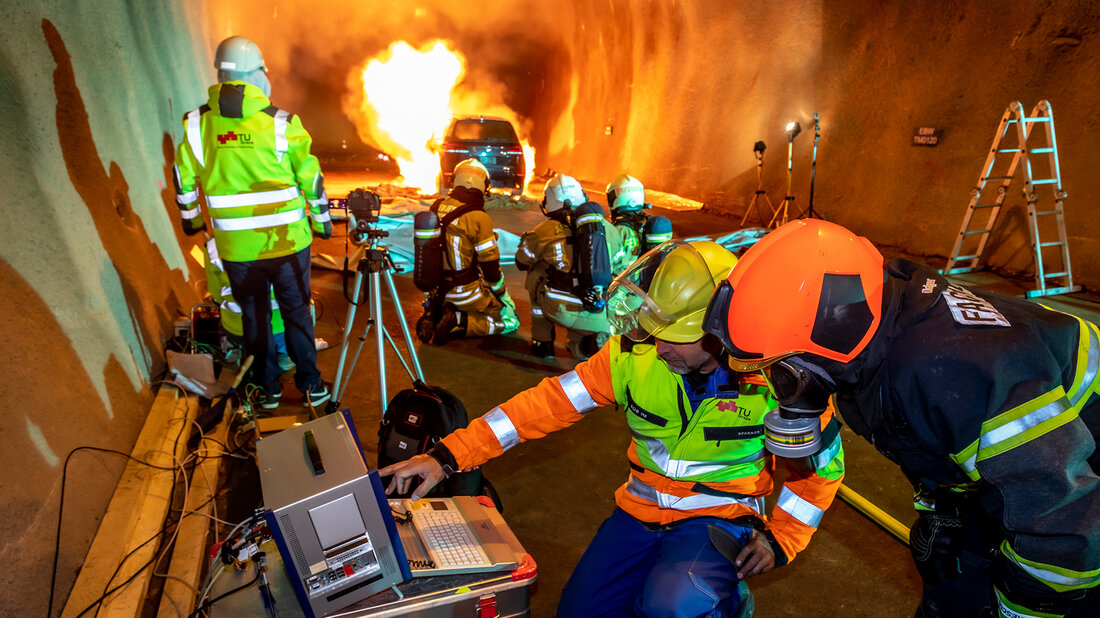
239 59
239 55
561 190
472 174
625 193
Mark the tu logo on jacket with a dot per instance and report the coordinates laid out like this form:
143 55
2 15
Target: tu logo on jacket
730 405
240 139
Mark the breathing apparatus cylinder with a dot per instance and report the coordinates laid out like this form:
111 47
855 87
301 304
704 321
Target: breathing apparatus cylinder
803 390
657 229
591 259
427 251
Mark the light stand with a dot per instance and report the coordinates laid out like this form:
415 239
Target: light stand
793 129
809 212
377 263
758 150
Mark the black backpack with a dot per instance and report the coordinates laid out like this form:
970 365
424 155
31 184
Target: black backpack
415 419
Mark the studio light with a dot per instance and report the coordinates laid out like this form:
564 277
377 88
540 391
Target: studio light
793 129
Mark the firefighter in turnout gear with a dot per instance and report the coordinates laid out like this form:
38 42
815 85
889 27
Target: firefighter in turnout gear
987 403
474 300
548 254
697 456
265 198
626 200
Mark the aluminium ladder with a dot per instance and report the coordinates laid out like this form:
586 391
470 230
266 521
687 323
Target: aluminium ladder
988 182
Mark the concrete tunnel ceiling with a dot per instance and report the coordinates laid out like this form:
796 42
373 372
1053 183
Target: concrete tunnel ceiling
598 87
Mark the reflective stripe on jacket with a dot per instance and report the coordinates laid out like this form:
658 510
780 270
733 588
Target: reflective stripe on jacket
549 243
717 467
995 395
254 165
468 241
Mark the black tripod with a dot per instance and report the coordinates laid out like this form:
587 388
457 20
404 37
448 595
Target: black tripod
793 129
758 150
377 263
809 212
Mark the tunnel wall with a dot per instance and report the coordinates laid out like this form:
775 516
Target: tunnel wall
91 268
95 270
687 88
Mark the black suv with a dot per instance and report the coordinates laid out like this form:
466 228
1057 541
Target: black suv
492 141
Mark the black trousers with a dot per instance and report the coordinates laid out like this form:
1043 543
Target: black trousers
288 277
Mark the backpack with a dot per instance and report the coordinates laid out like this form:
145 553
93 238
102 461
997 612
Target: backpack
428 236
591 259
415 419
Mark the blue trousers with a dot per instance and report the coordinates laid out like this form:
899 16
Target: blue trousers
252 284
629 570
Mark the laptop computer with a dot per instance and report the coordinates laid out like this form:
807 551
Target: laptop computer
446 536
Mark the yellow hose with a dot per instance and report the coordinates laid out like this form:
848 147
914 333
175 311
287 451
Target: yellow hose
877 515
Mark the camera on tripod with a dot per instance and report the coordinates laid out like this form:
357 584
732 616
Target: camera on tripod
364 207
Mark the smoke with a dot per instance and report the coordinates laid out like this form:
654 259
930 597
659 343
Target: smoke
675 93
316 50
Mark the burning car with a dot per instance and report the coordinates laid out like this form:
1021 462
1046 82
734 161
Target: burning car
493 141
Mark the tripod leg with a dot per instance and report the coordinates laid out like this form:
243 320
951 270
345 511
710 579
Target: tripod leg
404 326
379 336
748 210
338 391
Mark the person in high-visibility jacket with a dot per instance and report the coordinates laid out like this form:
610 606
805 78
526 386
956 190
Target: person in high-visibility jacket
697 456
546 253
987 402
476 301
230 318
252 161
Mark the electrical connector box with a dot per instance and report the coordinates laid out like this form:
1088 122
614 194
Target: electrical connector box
181 327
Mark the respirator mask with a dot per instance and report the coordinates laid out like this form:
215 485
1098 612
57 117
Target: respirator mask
802 390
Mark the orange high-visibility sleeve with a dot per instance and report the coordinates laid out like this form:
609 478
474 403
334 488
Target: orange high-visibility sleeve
552 404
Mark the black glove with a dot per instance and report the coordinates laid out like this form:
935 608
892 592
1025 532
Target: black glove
935 540
593 300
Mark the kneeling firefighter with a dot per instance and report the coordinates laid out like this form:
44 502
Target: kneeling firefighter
457 262
698 458
568 264
640 232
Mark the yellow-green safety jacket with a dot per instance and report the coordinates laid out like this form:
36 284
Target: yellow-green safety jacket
254 165
692 454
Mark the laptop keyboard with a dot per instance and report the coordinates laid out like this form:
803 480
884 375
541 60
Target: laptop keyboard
448 539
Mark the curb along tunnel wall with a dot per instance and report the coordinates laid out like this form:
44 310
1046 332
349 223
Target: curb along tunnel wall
94 266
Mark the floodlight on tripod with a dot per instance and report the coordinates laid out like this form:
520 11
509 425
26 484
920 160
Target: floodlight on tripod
780 217
364 208
758 150
809 213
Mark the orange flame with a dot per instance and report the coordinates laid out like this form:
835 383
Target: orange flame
404 98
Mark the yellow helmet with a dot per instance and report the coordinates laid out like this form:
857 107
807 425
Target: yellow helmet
472 174
665 293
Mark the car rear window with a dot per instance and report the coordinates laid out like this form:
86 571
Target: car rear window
484 130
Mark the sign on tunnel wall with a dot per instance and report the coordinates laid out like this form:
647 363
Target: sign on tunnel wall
926 136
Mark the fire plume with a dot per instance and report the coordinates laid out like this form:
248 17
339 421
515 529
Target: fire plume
403 99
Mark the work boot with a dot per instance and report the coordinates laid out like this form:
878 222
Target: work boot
542 349
268 400
316 396
450 326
